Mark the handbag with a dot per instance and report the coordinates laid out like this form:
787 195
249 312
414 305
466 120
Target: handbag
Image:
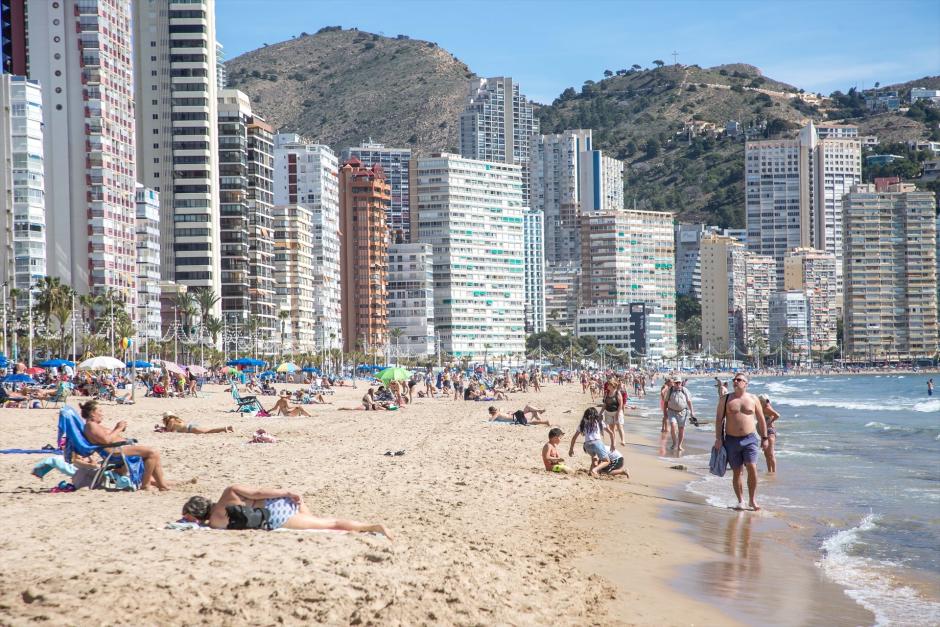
718 463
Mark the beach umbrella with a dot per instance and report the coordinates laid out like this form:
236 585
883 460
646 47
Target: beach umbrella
287 367
19 378
393 374
310 369
139 364
57 363
268 374
34 370
197 370
169 366
101 363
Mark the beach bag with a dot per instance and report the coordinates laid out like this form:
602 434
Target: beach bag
718 463
244 517
611 403
678 404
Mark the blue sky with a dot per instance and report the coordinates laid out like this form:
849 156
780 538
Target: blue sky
548 45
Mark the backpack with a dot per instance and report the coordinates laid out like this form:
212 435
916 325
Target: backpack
244 517
611 403
678 404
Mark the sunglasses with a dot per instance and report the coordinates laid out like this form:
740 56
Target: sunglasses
740 380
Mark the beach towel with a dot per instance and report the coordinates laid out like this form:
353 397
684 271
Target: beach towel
718 464
30 451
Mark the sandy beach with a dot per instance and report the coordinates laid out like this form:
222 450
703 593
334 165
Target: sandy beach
483 535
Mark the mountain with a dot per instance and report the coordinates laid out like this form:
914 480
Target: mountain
340 87
343 86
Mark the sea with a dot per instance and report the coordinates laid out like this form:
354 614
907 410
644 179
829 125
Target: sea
859 470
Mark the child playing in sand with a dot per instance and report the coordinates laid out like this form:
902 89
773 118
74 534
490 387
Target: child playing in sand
592 427
616 466
553 461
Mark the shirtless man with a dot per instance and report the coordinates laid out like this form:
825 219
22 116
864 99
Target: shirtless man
740 418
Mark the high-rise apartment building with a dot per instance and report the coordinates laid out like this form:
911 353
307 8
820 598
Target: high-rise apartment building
533 223
306 174
890 274
80 52
411 300
148 263
395 163
471 212
790 324
562 296
568 177
13 55
297 281
498 124
246 175
176 91
814 272
364 195
794 190
23 205
688 266
629 257
761 282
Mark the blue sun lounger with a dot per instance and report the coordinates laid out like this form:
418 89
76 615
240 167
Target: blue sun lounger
72 428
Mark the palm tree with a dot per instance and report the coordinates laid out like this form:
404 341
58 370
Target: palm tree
395 334
54 300
206 299
213 328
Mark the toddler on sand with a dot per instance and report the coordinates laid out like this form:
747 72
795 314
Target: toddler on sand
553 461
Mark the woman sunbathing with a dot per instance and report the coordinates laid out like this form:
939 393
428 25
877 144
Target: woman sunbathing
287 511
282 408
174 424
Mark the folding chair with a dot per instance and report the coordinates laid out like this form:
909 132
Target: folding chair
72 428
61 395
245 403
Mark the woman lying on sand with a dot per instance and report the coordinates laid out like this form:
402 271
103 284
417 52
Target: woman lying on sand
174 424
287 511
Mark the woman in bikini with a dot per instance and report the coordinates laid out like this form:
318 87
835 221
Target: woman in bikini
287 509
771 416
174 424
282 408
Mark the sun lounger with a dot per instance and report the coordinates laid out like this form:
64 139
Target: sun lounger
72 428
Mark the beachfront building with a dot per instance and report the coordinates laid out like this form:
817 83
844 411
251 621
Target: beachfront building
148 263
80 52
794 189
533 222
567 177
497 125
790 324
301 328
629 257
410 300
724 295
176 96
306 174
631 329
23 205
471 212
562 296
395 163
814 273
364 195
761 282
247 226
890 274
688 239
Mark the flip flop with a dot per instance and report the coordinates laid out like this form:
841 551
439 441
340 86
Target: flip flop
399 453
388 453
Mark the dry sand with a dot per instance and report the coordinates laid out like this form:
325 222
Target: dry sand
483 534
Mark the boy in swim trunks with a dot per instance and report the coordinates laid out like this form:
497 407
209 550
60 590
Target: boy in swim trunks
553 461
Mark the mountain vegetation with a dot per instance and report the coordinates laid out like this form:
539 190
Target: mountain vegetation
668 122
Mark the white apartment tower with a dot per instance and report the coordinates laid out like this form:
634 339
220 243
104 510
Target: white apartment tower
410 300
794 190
534 223
80 52
498 124
148 263
246 181
177 106
471 212
814 273
761 281
629 257
22 182
306 174
395 162
567 178
296 271
790 323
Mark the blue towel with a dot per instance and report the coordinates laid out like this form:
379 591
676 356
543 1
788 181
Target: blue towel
29 451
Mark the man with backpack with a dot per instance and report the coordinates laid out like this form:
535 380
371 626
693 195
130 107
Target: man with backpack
676 410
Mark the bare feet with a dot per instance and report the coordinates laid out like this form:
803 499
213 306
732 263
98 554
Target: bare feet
740 507
384 531
755 506
593 473
229 429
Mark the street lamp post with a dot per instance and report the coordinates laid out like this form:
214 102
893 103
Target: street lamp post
29 313
5 286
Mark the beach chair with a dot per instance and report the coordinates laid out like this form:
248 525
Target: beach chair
61 395
72 428
245 403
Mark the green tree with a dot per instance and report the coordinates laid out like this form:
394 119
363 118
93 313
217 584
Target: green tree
686 307
658 63
652 148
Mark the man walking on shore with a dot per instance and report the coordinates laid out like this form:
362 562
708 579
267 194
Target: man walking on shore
738 421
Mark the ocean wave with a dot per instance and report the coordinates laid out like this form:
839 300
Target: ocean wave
927 406
781 388
870 584
878 425
886 405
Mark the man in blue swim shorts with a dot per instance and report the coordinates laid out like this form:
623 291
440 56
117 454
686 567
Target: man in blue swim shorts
739 419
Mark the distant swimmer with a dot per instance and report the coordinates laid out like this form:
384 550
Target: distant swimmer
930 387
739 418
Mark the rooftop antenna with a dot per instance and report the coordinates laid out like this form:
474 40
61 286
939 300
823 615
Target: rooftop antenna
675 58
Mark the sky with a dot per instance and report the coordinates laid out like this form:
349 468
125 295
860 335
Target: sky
548 45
